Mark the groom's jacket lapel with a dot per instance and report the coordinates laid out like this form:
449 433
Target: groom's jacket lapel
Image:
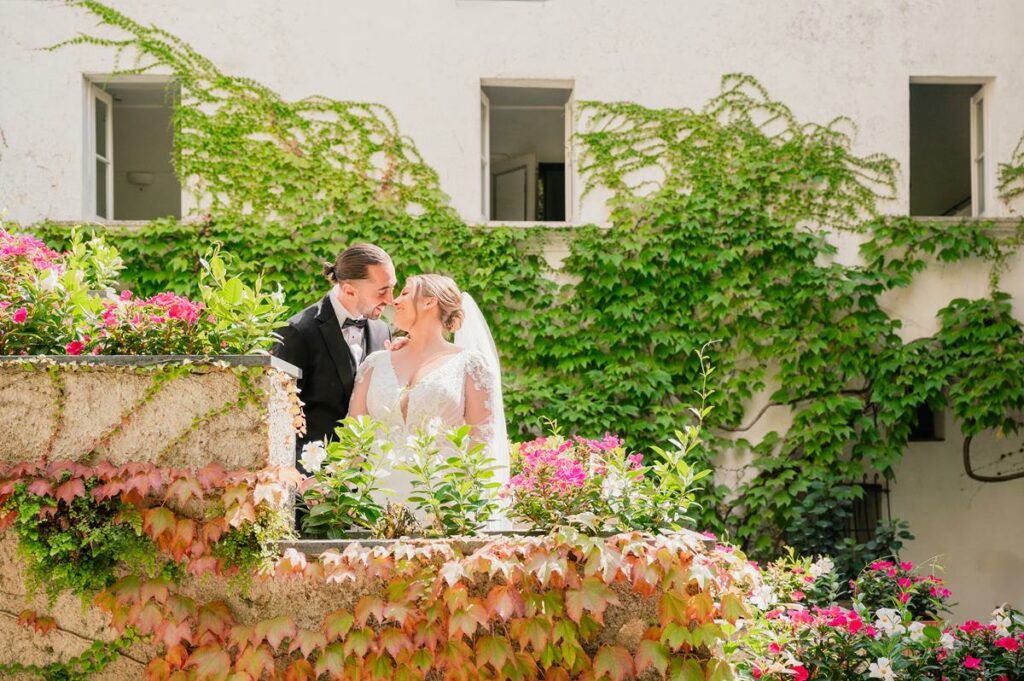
330 331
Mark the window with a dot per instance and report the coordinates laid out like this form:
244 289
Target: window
871 510
929 425
947 147
129 172
526 151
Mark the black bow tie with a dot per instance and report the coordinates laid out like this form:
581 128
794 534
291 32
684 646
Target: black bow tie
358 323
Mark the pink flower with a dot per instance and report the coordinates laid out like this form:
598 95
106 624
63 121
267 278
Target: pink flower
907 566
970 626
774 648
904 597
1007 642
74 347
972 662
798 596
125 295
855 626
19 316
904 582
800 674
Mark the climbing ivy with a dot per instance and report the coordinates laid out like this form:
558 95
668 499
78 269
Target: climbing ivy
723 225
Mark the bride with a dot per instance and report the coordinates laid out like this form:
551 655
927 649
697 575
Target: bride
430 379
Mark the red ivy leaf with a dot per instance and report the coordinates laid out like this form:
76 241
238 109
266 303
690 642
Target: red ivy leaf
615 662
493 650
74 487
157 521
299 670
184 534
395 642
155 589
254 660
307 641
504 601
149 618
534 631
171 634
331 660
651 654
369 605
210 476
337 624
158 669
593 596
184 489
214 618
211 662
274 630
358 642
40 487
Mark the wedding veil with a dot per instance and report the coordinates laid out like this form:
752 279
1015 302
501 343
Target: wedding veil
474 334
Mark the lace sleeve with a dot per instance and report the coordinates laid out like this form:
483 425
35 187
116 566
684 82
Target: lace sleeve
485 412
357 402
481 385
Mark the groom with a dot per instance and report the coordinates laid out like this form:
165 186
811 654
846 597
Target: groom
329 339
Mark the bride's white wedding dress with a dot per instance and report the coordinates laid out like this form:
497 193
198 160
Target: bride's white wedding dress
436 402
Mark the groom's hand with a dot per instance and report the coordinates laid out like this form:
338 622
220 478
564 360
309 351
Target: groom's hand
396 344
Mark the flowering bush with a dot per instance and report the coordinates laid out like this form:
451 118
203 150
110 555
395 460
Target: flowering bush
793 642
894 584
45 296
599 484
795 580
64 303
880 637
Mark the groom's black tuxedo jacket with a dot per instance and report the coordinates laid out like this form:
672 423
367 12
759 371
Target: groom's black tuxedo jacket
312 341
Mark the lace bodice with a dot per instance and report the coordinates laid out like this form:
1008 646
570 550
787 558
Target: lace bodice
438 394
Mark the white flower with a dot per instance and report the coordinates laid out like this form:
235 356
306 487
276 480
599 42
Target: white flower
821 567
763 597
613 486
313 456
889 622
434 426
916 630
50 281
1001 622
881 669
947 641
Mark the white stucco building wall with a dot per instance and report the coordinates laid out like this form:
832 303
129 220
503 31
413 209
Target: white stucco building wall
425 60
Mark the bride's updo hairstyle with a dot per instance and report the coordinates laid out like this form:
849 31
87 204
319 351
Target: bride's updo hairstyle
447 293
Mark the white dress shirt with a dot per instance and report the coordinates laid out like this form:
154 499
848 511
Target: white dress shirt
353 335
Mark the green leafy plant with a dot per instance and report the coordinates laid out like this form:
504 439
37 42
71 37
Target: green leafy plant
245 316
343 492
453 482
73 542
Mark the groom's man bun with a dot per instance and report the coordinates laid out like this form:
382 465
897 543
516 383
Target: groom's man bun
353 263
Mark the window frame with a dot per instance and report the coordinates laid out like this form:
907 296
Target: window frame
486 197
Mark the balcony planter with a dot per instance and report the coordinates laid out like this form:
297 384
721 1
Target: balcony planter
240 411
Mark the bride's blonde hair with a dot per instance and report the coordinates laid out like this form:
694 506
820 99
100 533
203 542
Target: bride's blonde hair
447 293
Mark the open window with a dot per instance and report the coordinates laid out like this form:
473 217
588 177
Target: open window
947 147
526 151
129 171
